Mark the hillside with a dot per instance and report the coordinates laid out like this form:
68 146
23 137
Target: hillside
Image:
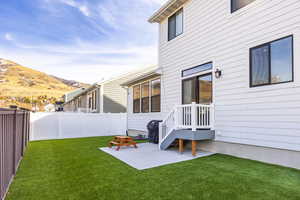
23 86
72 83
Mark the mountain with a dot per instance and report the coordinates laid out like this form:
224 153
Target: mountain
72 83
25 87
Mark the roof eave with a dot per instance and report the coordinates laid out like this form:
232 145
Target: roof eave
157 72
168 8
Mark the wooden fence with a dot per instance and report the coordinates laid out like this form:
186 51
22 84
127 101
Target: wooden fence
14 136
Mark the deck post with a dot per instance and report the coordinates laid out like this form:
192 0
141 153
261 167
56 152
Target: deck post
212 117
193 116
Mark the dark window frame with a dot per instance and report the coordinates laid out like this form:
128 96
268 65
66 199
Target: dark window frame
133 100
145 98
234 10
196 78
182 72
140 85
174 15
151 96
270 63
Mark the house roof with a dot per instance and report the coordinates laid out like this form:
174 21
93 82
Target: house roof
168 8
142 75
84 91
133 77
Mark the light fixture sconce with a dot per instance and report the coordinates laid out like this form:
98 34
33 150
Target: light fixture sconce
218 73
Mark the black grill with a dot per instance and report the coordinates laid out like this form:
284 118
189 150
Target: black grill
153 131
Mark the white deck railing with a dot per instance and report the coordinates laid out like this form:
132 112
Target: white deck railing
192 116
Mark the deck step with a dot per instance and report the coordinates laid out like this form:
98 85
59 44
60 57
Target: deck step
187 135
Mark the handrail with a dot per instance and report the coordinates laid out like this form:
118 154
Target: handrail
190 116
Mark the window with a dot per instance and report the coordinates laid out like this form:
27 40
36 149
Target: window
79 102
197 69
136 99
272 63
95 100
145 97
90 102
155 95
238 4
175 25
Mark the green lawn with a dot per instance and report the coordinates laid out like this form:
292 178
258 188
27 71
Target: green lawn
75 169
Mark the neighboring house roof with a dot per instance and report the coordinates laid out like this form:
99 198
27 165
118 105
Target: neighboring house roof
142 75
130 78
70 95
168 8
84 91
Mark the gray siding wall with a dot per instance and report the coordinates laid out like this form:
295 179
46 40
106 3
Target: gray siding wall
264 116
114 97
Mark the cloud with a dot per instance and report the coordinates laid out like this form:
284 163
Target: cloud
106 14
160 2
8 37
84 62
85 40
84 10
81 7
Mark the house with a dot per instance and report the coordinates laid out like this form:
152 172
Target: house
107 96
70 95
231 70
144 99
86 101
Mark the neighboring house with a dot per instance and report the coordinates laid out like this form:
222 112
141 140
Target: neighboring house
144 99
241 59
103 97
70 95
87 101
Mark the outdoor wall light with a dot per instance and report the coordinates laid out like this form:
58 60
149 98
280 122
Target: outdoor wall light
218 73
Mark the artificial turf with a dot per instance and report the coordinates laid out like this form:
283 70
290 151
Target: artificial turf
75 169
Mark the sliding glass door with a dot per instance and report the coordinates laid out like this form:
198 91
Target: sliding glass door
197 89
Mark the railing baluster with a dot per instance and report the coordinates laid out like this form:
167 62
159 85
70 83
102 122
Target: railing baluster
205 116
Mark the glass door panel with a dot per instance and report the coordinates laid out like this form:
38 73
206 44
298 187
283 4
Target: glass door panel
189 91
205 89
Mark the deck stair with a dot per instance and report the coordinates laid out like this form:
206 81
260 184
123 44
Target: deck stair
188 122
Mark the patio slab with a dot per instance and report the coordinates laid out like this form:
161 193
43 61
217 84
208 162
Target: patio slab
148 155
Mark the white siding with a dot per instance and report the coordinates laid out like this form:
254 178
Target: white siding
139 121
264 116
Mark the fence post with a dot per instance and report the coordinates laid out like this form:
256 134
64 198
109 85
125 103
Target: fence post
23 131
14 140
193 115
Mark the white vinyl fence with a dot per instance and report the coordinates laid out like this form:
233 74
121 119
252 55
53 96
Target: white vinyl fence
46 126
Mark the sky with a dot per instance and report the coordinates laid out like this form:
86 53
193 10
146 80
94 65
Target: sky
83 40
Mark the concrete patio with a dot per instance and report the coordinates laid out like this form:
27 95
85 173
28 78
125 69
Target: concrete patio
148 155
